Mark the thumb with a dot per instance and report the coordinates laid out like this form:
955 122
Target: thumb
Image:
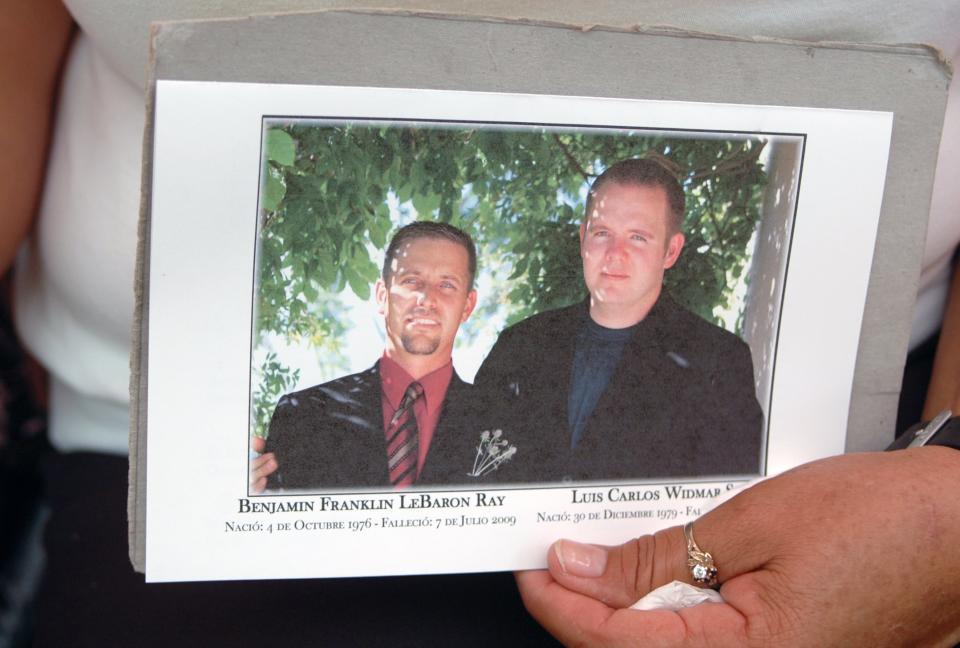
619 576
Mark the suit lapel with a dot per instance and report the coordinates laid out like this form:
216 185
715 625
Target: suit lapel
375 463
450 436
636 383
556 359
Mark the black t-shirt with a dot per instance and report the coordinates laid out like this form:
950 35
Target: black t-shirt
597 355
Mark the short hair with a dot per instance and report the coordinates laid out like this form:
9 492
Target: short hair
644 172
434 230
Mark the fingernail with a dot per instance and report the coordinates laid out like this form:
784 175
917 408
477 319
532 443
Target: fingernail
576 559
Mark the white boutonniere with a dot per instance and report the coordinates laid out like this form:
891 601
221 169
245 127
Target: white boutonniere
493 450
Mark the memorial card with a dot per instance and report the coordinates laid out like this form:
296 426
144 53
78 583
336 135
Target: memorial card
461 325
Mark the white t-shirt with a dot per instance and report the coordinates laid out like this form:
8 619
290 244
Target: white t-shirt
74 299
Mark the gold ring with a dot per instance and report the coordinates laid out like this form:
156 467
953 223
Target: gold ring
700 562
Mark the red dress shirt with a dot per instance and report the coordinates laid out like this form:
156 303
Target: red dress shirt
394 381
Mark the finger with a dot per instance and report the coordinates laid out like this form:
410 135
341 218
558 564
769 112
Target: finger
261 468
260 462
258 444
575 619
621 575
565 614
266 466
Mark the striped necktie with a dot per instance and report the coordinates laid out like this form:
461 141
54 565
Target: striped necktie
402 440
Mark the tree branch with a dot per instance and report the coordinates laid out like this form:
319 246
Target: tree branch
733 162
572 160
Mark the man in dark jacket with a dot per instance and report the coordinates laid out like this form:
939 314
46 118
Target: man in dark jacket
627 384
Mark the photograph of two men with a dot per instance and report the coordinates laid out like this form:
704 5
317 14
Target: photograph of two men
441 304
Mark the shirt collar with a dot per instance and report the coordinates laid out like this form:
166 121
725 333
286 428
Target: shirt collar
394 381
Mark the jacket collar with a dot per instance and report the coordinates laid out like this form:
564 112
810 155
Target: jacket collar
656 329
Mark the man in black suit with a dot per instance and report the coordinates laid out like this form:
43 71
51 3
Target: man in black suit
408 420
627 384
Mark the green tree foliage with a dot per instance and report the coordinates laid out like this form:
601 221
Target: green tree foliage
273 380
328 190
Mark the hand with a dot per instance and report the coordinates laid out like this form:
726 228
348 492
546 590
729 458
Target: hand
854 550
261 467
